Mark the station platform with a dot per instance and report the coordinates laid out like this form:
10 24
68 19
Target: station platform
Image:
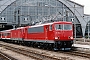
81 46
82 39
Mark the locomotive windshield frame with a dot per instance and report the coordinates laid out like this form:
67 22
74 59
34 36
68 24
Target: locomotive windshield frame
63 27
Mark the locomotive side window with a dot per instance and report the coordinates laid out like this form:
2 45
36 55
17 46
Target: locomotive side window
59 27
50 27
36 29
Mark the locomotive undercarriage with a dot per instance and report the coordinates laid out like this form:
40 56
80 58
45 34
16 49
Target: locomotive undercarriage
58 45
63 45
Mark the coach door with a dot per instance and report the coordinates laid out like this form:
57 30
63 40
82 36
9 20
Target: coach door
20 31
21 34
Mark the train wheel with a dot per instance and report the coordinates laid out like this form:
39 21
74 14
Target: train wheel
55 46
38 45
46 46
49 46
31 44
41 45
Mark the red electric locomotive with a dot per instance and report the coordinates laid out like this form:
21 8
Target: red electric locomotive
57 35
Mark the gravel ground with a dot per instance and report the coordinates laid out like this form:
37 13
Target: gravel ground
56 54
15 55
21 57
65 55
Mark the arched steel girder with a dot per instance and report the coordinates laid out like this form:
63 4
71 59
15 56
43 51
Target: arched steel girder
4 4
78 13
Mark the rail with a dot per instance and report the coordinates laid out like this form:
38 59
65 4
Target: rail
33 54
42 56
77 53
6 57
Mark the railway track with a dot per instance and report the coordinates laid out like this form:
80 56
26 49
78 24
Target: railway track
42 56
33 54
78 53
4 56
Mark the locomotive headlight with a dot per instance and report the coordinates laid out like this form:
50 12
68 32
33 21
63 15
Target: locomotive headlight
56 37
71 37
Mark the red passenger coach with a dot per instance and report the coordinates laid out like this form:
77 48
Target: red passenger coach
18 33
5 34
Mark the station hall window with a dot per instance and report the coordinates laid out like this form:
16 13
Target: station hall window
25 19
2 18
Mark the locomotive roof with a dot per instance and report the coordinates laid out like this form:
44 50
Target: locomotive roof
41 25
37 25
51 23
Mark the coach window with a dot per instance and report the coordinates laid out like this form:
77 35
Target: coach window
8 34
50 27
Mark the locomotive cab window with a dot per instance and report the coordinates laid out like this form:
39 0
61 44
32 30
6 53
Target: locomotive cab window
58 27
67 27
63 27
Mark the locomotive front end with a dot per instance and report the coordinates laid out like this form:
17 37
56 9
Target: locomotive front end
63 32
63 35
